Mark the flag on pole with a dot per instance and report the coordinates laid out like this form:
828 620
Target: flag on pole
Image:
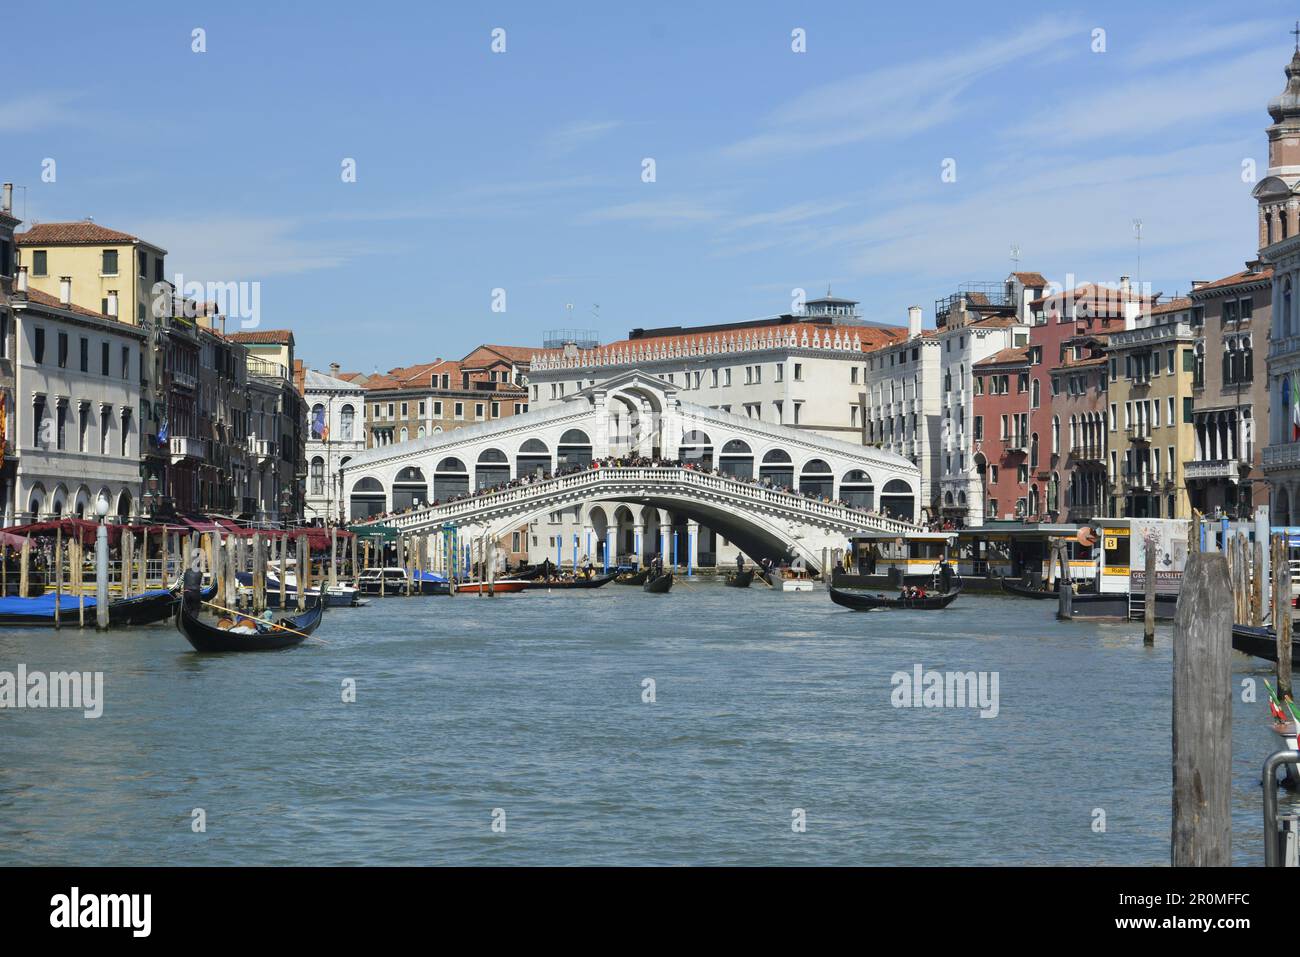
318 424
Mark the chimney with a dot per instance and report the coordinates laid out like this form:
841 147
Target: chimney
334 369
1123 288
22 279
1198 283
112 303
913 321
7 198
65 291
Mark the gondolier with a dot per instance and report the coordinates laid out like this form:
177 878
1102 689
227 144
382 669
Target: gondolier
192 585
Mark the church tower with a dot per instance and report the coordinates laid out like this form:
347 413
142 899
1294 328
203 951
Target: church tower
1276 194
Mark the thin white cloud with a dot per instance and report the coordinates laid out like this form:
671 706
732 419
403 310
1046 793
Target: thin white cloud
32 111
1167 100
1187 40
574 136
239 249
898 101
656 212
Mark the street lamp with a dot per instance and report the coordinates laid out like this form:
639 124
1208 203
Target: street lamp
101 564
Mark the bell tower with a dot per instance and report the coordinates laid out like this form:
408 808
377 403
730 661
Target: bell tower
1276 193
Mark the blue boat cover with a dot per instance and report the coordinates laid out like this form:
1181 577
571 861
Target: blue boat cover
42 607
428 577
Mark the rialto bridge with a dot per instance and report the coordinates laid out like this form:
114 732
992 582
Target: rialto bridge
694 483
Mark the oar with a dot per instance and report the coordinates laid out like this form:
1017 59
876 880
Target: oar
273 624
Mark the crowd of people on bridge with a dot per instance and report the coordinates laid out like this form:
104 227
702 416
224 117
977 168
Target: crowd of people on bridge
636 461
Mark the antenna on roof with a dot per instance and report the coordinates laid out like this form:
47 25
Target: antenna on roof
595 311
1137 232
1015 254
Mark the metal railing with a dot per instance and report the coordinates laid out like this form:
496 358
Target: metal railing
1272 841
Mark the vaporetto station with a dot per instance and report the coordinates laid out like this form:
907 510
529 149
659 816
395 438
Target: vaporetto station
625 470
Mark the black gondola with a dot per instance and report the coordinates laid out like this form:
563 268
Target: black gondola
633 578
205 637
659 584
147 609
864 602
740 579
1261 642
594 582
1024 591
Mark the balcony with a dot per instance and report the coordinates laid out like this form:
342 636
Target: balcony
185 380
1285 456
1138 432
1088 453
263 450
1017 443
1140 481
1208 470
186 447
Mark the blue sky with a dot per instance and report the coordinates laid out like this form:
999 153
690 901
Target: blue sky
523 170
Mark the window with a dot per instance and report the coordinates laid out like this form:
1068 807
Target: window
1187 408
726 376
713 378
85 354
143 264
83 426
126 362
437 410
317 476
63 350
108 265
126 431
460 410
979 427
496 410
40 263
38 346
405 410
103 358
105 427
478 410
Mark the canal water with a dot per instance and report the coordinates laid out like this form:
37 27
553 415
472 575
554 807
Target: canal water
530 711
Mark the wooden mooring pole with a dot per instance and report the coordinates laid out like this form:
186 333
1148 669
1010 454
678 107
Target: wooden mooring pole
1282 614
1149 594
1201 834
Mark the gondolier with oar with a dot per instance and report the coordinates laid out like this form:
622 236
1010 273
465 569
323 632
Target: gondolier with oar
192 586
740 563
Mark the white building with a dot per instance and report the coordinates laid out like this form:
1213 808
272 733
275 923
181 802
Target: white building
335 433
919 397
804 371
73 428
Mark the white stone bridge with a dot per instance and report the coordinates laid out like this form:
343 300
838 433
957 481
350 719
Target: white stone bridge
773 491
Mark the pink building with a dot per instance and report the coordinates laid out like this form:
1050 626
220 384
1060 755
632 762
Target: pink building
1001 432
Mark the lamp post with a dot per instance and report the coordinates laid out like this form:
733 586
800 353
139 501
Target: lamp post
101 565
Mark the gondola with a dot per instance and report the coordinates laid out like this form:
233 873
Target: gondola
1024 591
594 582
659 584
864 602
147 608
1261 642
633 578
205 637
739 579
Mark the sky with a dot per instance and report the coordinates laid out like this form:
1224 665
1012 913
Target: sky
497 195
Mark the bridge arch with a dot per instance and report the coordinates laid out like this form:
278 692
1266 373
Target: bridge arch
410 488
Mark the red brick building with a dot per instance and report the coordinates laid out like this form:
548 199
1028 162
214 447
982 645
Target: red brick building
1001 432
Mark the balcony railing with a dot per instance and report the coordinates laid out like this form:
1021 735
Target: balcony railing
1139 432
1211 469
1282 456
184 447
261 449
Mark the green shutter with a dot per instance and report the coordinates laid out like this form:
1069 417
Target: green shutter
1187 407
1189 363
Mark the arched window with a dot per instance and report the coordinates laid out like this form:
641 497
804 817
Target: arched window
777 468
450 479
897 497
405 433
1033 451
346 419
492 469
318 476
1035 393
1056 435
410 489
856 490
318 421
696 448
736 459
534 458
367 498
816 478
574 450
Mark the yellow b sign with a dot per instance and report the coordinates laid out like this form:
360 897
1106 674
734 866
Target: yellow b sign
1110 543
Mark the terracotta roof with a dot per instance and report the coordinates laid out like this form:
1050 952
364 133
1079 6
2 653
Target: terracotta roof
1014 355
1173 305
1031 278
69 234
1094 292
45 299
1081 363
513 353
870 338
264 337
1237 279
996 322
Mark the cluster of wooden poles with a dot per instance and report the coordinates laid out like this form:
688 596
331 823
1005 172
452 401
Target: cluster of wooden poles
71 573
